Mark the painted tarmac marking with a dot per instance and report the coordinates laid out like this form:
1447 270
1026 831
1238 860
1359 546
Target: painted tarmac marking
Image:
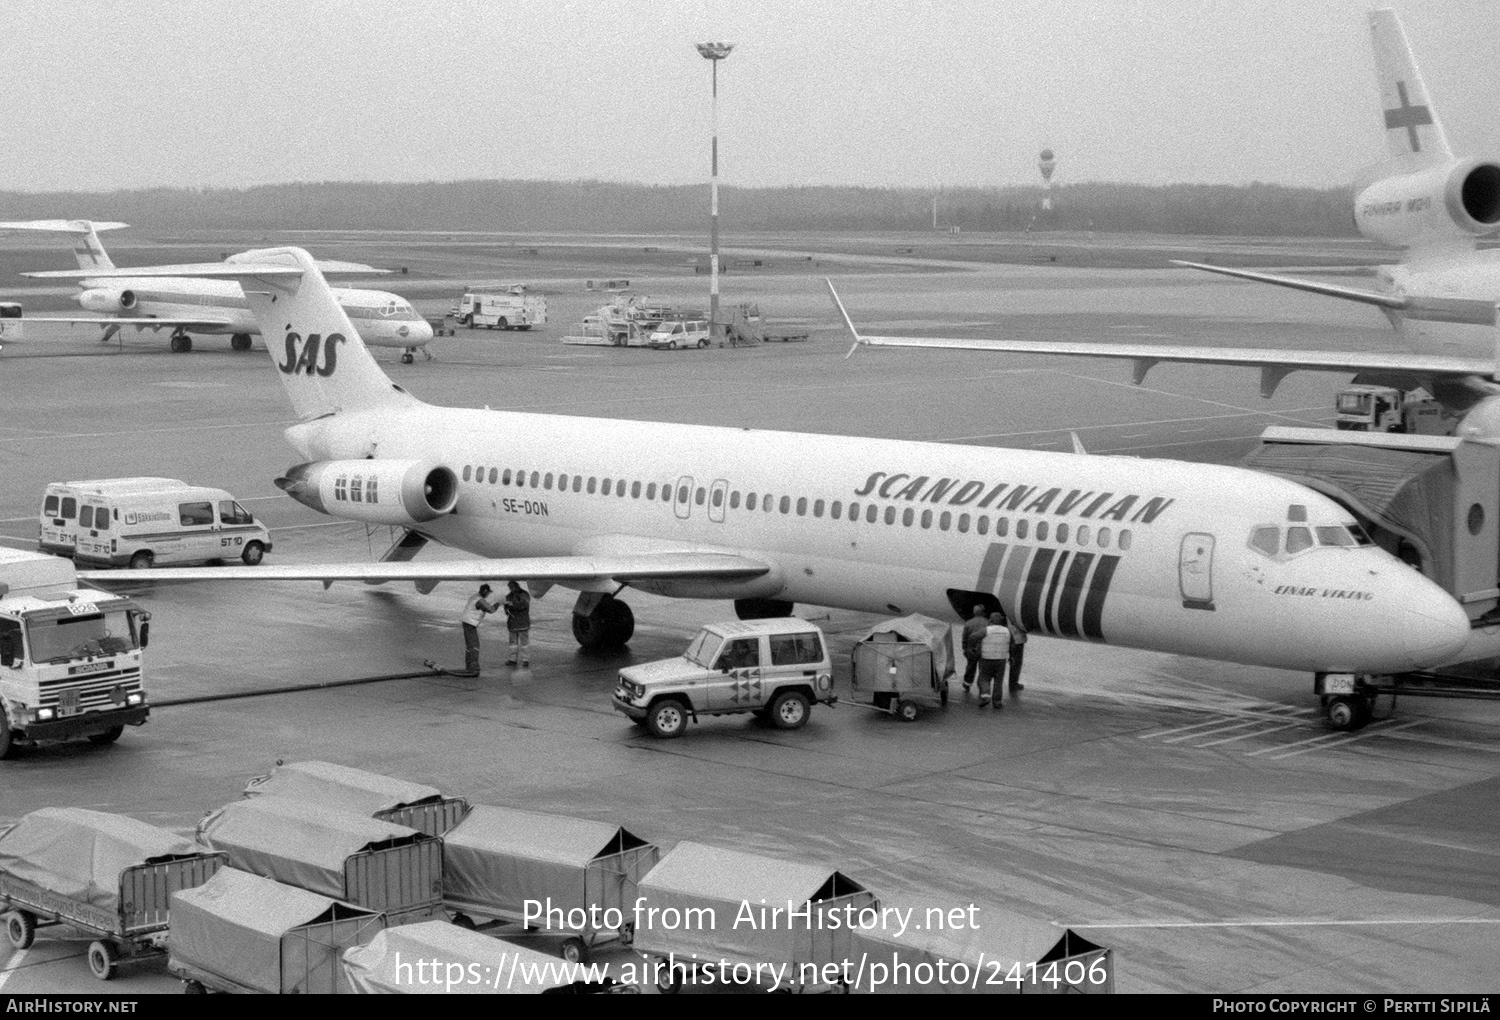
1350 738
12 966
1257 733
1218 729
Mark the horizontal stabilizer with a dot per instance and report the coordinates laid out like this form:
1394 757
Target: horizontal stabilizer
61 226
620 569
333 267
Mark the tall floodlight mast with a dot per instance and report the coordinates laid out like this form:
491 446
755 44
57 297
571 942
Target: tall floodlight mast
1046 163
714 52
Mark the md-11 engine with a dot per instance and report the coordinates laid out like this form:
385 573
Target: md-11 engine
400 492
108 299
1451 201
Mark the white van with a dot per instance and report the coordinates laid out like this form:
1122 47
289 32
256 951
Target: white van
677 333
58 522
177 526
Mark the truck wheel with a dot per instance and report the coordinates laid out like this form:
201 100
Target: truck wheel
109 736
667 718
20 928
702 343
103 957
253 554
907 711
142 560
790 710
502 323
467 321
574 951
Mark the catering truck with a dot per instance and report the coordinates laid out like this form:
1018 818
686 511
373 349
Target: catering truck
70 658
512 308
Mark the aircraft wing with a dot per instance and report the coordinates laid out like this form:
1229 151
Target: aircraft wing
620 569
206 270
1433 309
1275 364
127 321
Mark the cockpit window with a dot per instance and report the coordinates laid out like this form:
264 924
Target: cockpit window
1298 539
1266 540
1297 513
1334 536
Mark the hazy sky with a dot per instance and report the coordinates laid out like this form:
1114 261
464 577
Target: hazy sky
209 93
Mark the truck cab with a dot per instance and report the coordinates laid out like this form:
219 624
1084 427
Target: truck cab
70 659
775 668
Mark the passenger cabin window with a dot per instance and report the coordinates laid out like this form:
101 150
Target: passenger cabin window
742 653
192 514
231 512
468 471
791 649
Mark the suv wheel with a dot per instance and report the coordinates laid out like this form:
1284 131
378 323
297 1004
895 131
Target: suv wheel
790 710
668 718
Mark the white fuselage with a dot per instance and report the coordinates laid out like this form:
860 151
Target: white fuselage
381 318
1151 554
1466 274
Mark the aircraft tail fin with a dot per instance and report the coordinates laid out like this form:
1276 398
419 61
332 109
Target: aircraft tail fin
89 252
324 365
1412 127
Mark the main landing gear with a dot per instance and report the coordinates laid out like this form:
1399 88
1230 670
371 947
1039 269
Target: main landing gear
182 343
602 622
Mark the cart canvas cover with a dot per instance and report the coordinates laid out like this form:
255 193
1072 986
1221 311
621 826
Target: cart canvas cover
1006 953
735 886
295 842
496 858
80 854
235 926
460 961
338 786
922 630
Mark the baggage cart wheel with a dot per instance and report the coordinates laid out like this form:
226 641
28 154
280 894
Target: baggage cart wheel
20 928
574 951
908 710
464 921
669 980
103 957
191 987
790 710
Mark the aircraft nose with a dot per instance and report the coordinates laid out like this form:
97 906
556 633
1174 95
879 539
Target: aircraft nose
421 332
1436 628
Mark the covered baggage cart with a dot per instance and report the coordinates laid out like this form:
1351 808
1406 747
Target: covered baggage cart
706 903
413 805
104 875
904 662
986 951
242 933
580 876
461 962
372 864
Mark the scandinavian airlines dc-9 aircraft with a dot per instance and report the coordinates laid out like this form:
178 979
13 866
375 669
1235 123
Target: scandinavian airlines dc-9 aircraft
1197 559
216 307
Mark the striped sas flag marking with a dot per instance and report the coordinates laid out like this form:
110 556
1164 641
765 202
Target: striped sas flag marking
1051 590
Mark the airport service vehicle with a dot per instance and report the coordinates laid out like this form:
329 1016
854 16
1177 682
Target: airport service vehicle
627 321
904 663
678 333
70 658
107 876
167 525
57 526
10 322
1387 409
1152 554
747 327
776 668
512 308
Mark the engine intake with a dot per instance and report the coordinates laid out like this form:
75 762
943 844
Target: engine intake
401 492
1450 201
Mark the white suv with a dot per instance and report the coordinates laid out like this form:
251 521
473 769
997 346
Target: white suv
775 668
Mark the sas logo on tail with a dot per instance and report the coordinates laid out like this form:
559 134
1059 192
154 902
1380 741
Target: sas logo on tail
302 356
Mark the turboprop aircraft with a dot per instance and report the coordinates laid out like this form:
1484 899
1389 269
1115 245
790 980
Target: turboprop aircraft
1442 299
1197 559
189 305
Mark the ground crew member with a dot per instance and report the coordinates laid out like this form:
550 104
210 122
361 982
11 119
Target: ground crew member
475 610
993 649
518 623
1017 651
974 628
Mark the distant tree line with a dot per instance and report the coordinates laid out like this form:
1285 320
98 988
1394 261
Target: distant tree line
1254 209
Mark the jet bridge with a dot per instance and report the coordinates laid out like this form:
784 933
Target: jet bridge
1432 501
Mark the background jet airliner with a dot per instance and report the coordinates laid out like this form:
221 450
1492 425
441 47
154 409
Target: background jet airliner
1197 559
188 305
1442 300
